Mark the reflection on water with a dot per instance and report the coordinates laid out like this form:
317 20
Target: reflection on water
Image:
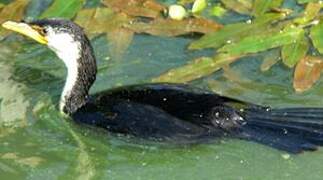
13 107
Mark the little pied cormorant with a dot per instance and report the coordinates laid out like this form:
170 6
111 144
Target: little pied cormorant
166 112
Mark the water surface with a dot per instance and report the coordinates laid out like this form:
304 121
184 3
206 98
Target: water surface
36 142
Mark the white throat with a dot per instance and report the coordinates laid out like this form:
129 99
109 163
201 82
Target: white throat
69 51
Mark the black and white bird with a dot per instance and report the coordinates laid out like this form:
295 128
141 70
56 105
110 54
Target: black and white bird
173 113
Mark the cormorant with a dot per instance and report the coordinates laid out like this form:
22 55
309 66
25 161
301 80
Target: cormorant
174 113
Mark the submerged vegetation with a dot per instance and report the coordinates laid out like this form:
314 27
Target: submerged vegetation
293 34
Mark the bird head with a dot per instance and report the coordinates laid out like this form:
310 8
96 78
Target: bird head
64 37
72 46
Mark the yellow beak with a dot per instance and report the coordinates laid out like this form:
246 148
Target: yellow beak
26 30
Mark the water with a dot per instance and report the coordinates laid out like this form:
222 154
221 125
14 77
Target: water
37 142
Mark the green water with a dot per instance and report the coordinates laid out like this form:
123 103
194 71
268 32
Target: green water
36 142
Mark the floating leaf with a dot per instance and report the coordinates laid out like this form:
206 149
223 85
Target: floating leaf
311 12
307 72
294 52
260 7
144 8
13 11
316 35
270 59
253 44
199 6
169 27
196 69
234 32
185 2
63 8
239 6
218 11
306 1
119 41
104 20
101 20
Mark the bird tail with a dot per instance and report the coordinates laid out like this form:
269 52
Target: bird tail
293 129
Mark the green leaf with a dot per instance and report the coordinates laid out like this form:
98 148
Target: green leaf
311 12
199 6
254 44
316 35
260 7
234 32
306 1
63 8
218 11
294 52
196 69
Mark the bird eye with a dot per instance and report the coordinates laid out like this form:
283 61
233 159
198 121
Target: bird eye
44 31
41 30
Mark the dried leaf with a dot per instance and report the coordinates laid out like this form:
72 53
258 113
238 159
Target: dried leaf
254 44
104 20
311 12
196 69
239 6
119 41
63 8
13 11
143 8
169 27
316 35
101 20
260 7
307 72
234 32
232 75
294 52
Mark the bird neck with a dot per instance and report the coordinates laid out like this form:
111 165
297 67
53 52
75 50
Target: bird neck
81 74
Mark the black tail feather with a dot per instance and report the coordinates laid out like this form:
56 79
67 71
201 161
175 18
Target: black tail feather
293 129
